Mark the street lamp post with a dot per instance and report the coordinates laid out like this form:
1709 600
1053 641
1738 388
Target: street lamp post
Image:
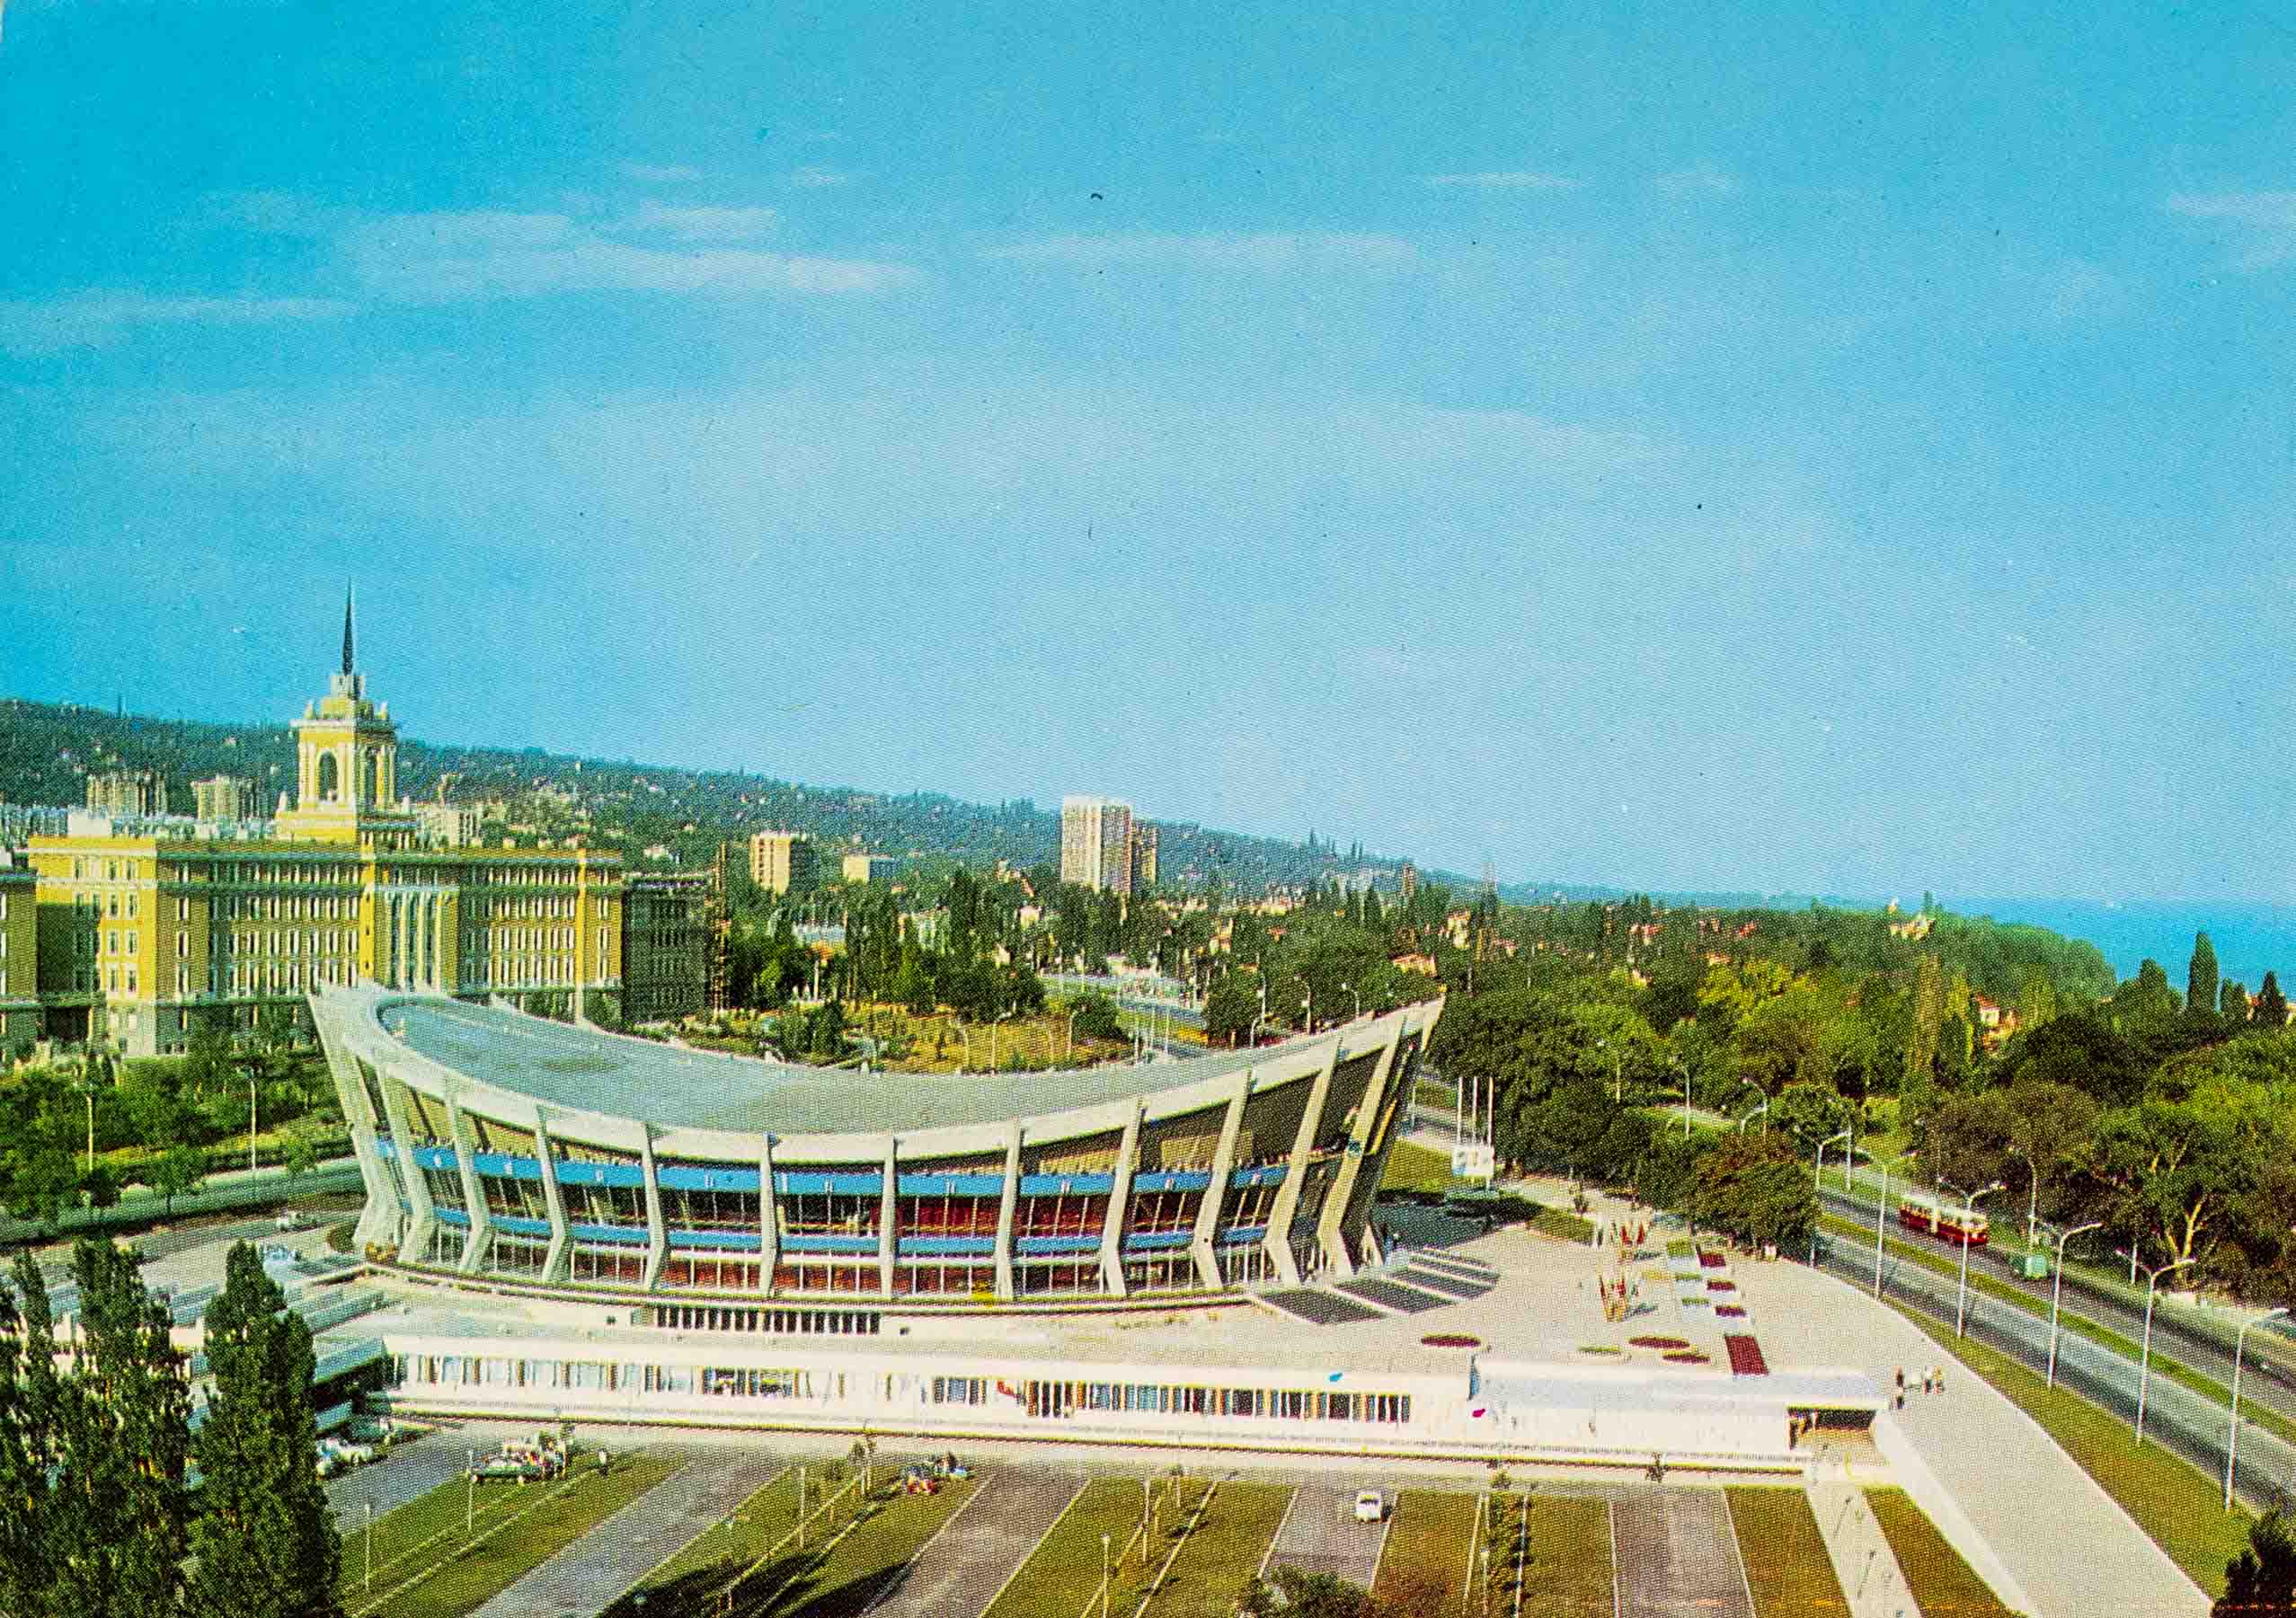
2144 1361
1880 1209
1352 989
1969 1209
1677 1067
470 1492
250 1120
1817 1185
2232 1433
2057 1291
370 1545
1756 1113
993 1027
1618 1083
1104 1575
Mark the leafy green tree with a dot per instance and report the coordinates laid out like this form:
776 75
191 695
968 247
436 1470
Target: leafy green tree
2261 1581
265 1537
177 1172
1754 1188
2201 977
2272 1006
1294 1594
1095 1015
2174 1171
31 1402
1230 1008
2232 1003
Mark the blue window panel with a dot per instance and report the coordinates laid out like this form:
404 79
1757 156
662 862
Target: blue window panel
952 1185
502 1165
1268 1174
815 1183
1236 1235
1172 1179
1066 1185
454 1216
1038 1245
601 1173
734 1241
438 1157
713 1179
519 1226
828 1244
1152 1241
934 1246
608 1233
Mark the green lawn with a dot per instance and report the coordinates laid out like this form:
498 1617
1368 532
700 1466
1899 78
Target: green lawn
1064 1566
1571 1573
843 1583
683 1584
534 1522
1412 1167
1424 1565
1787 1566
1570 1227
1935 1576
2177 1508
1220 1558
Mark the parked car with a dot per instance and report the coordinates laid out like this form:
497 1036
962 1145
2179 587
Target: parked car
509 1469
348 1455
322 1460
293 1219
1370 1507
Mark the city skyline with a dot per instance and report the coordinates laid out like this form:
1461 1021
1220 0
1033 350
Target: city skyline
1774 453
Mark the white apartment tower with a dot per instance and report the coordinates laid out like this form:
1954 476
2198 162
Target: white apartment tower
1096 843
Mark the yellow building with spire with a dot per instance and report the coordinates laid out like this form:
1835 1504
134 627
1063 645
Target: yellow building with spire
140 936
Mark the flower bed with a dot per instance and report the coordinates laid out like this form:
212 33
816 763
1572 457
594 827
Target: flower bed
1731 1310
1722 1285
1689 1357
1659 1343
1450 1340
1746 1356
1712 1260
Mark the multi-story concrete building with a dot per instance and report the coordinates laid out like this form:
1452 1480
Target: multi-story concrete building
448 824
141 933
864 868
1143 855
127 792
20 1018
225 798
668 938
783 862
1096 843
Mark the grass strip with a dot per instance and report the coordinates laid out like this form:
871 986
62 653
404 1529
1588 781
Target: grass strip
471 1574
1570 1227
2178 1508
1412 1167
847 1578
1940 1581
1221 1556
1787 1568
682 1585
1571 1575
2163 1366
1066 1562
1425 1563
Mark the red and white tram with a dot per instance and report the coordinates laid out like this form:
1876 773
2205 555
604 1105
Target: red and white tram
1943 1219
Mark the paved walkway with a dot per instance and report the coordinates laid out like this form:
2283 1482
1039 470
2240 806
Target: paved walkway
1863 1561
589 1574
1320 1535
2060 1548
1677 1556
961 1569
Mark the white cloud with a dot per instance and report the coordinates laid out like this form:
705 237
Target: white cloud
2266 219
706 224
814 178
1701 176
1269 253
661 174
99 318
1507 179
435 258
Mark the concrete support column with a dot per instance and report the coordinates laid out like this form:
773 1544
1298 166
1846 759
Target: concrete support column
1119 1196
769 1218
424 1220
888 1208
657 1233
378 1220
1007 1208
1333 1225
1223 1164
482 1223
1295 1174
556 1261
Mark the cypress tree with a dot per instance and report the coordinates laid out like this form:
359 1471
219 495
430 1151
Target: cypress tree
2201 977
2232 1001
2272 1006
265 1536
30 1398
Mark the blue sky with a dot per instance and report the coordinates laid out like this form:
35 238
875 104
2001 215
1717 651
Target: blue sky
1791 449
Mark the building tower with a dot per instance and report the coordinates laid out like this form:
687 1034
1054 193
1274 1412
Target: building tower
346 764
1096 843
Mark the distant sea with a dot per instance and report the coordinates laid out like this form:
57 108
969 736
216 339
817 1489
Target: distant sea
2249 939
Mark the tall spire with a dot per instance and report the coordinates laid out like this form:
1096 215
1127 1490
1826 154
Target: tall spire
346 630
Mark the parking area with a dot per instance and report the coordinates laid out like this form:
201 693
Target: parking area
1678 1556
1321 1535
958 1573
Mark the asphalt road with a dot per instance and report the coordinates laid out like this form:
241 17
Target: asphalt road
1320 1535
1677 1556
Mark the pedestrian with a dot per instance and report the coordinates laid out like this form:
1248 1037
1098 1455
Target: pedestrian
1941 1378
602 1463
1925 1382
1900 1379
